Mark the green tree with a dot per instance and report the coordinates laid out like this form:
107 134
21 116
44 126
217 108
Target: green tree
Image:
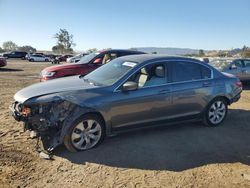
222 53
245 52
27 48
9 46
64 42
91 50
1 50
201 53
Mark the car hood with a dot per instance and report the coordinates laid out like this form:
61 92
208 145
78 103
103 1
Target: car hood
65 66
51 87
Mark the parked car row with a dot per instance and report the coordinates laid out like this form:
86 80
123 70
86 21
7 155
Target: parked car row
125 92
35 56
237 67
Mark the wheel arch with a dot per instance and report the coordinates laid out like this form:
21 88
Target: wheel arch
223 97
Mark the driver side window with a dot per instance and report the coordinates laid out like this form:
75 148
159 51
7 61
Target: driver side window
150 75
109 57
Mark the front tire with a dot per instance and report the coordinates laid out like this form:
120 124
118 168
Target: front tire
216 112
85 133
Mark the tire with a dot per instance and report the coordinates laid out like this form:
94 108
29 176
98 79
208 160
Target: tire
32 60
46 60
216 112
85 133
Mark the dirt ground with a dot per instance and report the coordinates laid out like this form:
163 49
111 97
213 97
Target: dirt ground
185 155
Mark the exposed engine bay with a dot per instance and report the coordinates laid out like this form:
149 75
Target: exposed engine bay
45 119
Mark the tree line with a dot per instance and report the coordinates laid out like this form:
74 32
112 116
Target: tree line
11 46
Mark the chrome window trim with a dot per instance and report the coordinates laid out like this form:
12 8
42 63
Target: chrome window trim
162 61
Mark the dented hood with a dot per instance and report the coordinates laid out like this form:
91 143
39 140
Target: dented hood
50 87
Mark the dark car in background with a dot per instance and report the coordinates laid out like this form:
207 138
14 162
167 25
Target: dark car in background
129 92
87 64
63 57
237 67
15 54
3 62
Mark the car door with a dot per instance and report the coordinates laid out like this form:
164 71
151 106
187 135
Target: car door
236 68
191 84
38 58
246 70
146 104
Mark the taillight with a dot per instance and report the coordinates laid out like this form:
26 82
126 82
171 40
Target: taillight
239 84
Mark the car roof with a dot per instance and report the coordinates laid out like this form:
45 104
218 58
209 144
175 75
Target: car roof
149 57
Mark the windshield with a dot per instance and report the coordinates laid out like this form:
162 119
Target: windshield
85 59
220 63
110 73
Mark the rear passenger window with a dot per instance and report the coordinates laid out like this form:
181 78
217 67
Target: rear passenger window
186 71
247 63
205 72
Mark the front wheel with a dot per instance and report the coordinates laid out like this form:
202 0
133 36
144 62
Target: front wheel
85 133
216 112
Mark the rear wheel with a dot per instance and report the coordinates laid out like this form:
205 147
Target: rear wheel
85 133
32 60
216 112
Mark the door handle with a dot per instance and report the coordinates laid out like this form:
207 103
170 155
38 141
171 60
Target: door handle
164 91
207 84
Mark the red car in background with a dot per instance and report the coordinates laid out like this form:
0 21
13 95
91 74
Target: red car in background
3 62
87 64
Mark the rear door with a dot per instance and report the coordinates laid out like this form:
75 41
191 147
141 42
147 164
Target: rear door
191 84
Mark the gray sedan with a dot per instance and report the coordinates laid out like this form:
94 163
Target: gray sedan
237 67
128 93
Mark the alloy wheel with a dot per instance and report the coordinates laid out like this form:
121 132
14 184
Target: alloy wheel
86 134
217 112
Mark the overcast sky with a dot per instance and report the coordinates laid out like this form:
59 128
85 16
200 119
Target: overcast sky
199 24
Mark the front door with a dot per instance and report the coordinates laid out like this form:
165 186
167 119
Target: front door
150 102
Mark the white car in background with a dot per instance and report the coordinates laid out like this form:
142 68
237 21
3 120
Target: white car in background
37 57
76 58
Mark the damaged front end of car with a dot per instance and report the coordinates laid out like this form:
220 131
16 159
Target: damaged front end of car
44 116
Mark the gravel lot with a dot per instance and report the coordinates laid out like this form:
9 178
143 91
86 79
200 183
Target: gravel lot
185 155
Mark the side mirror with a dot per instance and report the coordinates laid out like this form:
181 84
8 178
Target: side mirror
98 60
129 86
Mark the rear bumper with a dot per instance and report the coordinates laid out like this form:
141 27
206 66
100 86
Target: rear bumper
235 98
